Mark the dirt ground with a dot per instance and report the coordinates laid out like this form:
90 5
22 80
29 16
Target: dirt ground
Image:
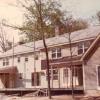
63 97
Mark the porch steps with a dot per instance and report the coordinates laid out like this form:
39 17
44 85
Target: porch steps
39 92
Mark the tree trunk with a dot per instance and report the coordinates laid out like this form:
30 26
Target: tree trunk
48 67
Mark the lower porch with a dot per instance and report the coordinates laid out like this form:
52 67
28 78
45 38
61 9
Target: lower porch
8 77
41 91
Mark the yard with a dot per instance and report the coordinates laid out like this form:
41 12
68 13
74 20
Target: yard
63 97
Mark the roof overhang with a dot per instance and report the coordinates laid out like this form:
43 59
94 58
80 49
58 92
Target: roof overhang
62 62
9 70
92 47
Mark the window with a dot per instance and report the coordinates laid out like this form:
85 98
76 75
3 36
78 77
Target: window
65 75
36 56
20 75
26 59
83 46
35 79
99 75
53 74
18 59
80 48
5 61
56 53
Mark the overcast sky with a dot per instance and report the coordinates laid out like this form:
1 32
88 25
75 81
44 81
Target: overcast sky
79 8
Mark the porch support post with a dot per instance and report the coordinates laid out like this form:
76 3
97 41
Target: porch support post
4 81
59 77
51 77
83 72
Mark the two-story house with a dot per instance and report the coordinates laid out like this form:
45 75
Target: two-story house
24 66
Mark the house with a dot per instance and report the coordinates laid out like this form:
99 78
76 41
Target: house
91 67
24 66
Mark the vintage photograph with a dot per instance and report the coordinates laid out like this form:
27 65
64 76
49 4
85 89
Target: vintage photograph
49 49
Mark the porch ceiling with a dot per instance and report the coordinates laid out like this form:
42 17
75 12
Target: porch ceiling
62 62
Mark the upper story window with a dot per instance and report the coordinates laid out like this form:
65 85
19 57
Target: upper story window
26 59
83 46
5 61
56 53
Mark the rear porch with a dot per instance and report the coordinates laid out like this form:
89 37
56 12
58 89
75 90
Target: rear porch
8 77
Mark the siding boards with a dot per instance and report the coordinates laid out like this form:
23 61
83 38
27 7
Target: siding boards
90 70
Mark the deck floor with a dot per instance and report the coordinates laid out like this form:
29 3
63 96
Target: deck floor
54 91
32 89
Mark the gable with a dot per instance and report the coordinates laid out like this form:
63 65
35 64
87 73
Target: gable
92 49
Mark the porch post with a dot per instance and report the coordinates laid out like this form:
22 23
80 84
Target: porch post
59 77
4 81
83 73
51 77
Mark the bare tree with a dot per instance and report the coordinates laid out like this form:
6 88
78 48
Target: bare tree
5 44
40 16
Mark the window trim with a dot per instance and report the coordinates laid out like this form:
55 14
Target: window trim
84 47
26 59
20 76
52 75
98 86
56 53
5 61
38 79
18 59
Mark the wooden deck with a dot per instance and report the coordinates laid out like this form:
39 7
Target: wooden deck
54 91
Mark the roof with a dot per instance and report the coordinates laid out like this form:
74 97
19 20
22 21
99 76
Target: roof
62 62
92 48
80 35
12 69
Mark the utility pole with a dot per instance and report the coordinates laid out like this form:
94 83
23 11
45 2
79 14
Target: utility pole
35 80
13 53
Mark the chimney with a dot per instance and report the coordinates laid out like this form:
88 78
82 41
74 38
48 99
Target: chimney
57 30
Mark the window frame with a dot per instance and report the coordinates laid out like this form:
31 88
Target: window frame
5 61
83 47
65 74
56 53
26 59
53 76
98 80
20 75
38 78
18 59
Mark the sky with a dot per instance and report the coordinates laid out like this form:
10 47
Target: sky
79 8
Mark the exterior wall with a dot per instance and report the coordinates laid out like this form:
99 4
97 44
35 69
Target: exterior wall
65 51
27 68
60 82
91 72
